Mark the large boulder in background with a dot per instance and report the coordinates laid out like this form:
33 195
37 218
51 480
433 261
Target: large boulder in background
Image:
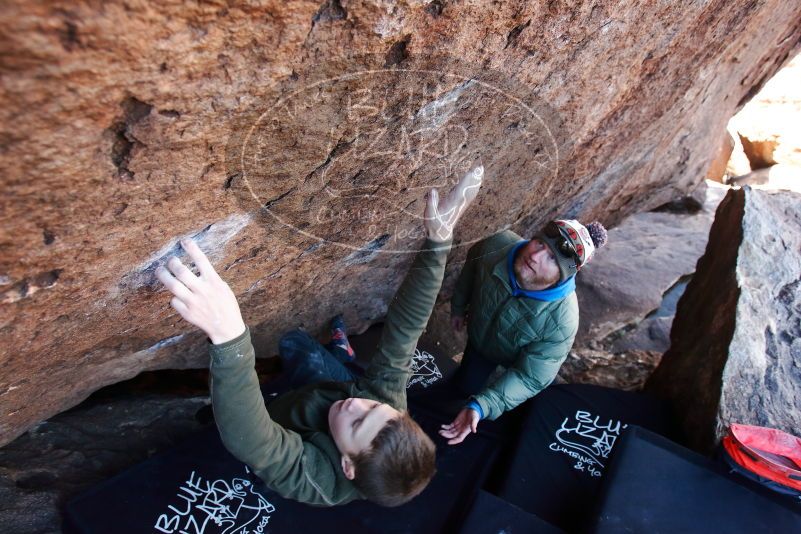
768 126
628 279
735 354
760 151
256 130
626 370
77 449
628 293
717 169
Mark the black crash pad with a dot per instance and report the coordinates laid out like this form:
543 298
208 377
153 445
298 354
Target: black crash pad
491 514
566 436
429 365
655 485
199 487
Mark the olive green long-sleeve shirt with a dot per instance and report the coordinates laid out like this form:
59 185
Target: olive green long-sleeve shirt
289 445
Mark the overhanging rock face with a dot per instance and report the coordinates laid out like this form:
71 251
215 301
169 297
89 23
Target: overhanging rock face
256 131
735 354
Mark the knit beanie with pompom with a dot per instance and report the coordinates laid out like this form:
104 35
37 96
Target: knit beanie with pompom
584 240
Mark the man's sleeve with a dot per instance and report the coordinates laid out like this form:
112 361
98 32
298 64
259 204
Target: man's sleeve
463 289
408 314
535 368
275 454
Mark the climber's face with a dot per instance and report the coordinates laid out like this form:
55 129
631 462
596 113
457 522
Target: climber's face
535 266
355 422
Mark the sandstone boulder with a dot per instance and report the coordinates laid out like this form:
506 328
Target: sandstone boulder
652 334
256 130
717 170
760 151
59 458
627 280
623 335
627 370
628 293
768 125
738 163
735 354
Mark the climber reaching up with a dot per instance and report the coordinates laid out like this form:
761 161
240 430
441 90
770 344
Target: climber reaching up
333 442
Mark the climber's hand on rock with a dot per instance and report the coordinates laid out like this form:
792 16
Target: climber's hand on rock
206 301
441 215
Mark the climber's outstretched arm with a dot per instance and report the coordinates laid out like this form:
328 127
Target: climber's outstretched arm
275 454
410 309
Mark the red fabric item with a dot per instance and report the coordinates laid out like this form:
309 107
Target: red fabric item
768 452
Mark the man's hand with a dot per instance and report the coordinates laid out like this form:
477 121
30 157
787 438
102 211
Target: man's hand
465 422
206 301
441 217
457 322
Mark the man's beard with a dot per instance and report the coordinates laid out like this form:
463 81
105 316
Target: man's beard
528 280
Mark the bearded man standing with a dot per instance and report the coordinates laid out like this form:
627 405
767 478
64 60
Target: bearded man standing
518 301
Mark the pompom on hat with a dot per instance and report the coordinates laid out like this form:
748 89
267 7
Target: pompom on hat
572 243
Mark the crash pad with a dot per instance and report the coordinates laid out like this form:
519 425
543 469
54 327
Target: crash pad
556 464
491 514
655 485
199 487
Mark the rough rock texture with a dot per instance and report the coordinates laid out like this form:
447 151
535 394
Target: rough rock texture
628 293
768 125
627 307
65 455
759 152
125 125
627 370
653 333
738 163
441 335
717 170
647 254
735 354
